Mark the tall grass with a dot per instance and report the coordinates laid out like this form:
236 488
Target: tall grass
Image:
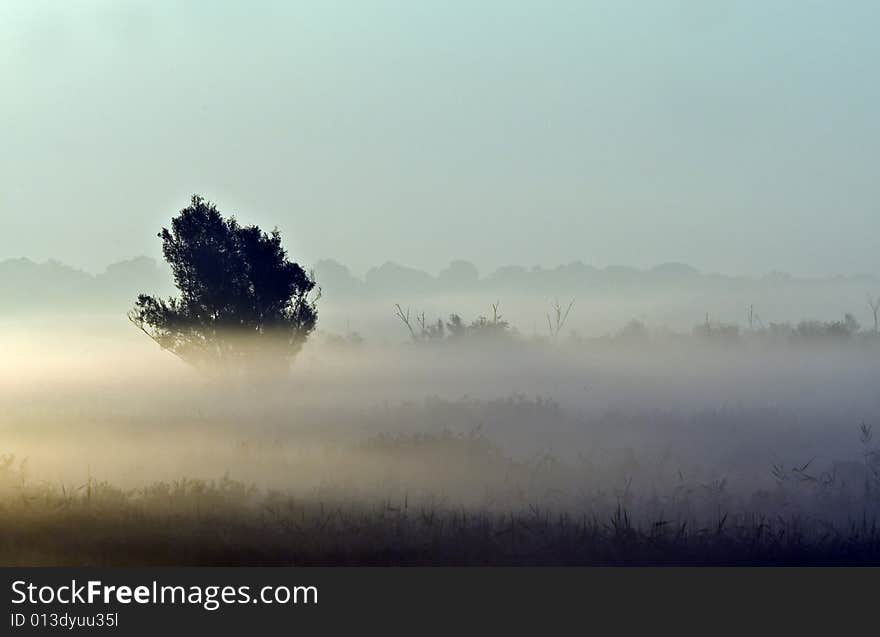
538 511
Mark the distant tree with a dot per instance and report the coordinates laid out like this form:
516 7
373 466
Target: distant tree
482 328
839 330
427 331
456 326
754 318
874 304
850 324
634 332
781 332
718 333
460 275
556 320
243 306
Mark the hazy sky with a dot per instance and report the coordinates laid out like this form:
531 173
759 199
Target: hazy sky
736 136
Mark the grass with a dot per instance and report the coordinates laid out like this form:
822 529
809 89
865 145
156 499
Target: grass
226 522
432 497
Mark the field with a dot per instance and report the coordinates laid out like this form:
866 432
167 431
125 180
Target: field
226 523
389 454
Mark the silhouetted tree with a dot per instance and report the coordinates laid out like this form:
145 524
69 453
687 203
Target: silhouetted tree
482 328
243 306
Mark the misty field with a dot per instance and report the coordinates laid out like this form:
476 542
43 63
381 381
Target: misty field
433 283
115 454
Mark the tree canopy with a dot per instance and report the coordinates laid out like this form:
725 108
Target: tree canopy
242 304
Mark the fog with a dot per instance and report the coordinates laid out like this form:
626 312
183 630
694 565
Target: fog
473 423
611 261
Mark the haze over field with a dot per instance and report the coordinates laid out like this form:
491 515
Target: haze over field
100 399
599 282
667 296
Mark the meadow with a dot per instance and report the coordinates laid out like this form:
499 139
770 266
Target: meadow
534 453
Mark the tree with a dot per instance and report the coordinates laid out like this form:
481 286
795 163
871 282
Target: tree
455 330
557 321
850 324
243 306
874 304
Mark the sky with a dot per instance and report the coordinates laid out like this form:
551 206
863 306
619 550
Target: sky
739 137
